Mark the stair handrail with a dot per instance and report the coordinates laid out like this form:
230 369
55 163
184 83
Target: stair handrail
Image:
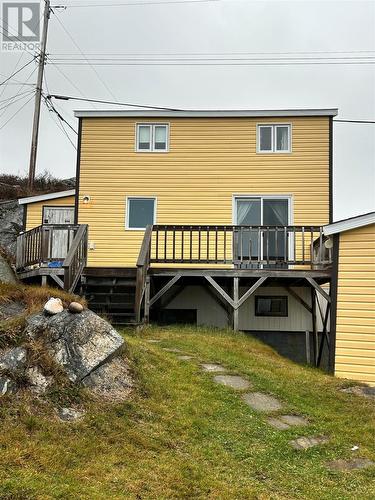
143 264
76 259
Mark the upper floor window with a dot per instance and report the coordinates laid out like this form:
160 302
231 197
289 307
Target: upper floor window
152 137
274 138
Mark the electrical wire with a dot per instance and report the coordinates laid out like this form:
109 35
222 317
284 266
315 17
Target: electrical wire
59 123
16 72
354 121
91 66
16 113
127 4
6 106
132 105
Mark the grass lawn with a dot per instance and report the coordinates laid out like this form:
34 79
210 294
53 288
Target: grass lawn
183 436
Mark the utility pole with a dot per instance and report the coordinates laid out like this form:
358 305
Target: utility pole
38 95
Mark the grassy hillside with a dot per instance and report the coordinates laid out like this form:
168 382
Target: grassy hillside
183 436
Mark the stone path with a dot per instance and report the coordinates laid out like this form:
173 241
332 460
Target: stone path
262 402
233 381
367 392
284 422
303 443
212 367
347 465
267 404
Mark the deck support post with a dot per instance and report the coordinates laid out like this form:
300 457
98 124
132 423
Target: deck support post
146 317
44 280
314 326
235 300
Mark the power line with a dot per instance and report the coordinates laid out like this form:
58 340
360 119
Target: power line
60 126
354 121
127 4
6 106
218 53
71 98
16 113
68 80
23 85
60 117
222 63
92 67
14 69
15 73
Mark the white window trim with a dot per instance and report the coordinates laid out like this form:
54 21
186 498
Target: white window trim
127 210
262 197
273 151
152 147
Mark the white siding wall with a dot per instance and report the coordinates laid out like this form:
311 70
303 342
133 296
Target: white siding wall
209 311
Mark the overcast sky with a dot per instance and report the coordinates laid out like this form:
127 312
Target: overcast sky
225 28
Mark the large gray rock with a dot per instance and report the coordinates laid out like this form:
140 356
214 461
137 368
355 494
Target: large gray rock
13 360
79 343
11 214
111 380
6 272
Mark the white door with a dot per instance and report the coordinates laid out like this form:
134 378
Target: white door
60 239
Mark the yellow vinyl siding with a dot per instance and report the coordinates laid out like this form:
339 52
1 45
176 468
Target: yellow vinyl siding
209 160
35 210
355 329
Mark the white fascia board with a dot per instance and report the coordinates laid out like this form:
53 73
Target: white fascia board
347 224
48 196
268 113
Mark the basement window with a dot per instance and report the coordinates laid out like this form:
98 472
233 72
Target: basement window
140 213
274 138
276 306
152 137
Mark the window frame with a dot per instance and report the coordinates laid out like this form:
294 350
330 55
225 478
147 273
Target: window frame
152 126
273 149
271 297
127 211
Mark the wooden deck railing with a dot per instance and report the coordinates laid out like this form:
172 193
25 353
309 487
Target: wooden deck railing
242 246
76 259
65 245
248 247
44 244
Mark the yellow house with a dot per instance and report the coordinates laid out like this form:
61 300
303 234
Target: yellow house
210 217
355 305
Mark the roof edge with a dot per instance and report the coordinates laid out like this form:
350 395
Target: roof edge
47 196
103 113
350 223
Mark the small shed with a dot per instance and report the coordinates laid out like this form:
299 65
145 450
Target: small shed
355 316
50 208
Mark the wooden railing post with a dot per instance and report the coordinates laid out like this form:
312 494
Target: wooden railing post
143 264
76 258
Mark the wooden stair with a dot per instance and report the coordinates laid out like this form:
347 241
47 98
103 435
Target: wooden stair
110 296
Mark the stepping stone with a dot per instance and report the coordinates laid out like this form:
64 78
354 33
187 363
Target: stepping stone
212 367
171 349
262 402
284 422
303 443
278 424
153 341
367 392
347 465
185 358
233 381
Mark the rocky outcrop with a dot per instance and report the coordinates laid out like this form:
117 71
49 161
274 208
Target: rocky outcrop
11 216
6 272
79 343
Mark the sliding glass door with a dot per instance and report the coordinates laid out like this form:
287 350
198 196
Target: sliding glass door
254 244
